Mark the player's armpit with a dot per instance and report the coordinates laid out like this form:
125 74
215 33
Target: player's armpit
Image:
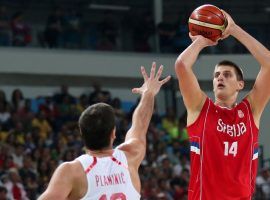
134 150
260 94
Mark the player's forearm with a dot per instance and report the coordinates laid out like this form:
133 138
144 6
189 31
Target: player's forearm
143 113
189 56
261 54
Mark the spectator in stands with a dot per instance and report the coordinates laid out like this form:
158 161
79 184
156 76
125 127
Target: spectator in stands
263 182
4 115
30 144
3 193
16 134
44 175
3 99
58 98
17 100
81 105
99 95
14 186
116 104
182 164
181 39
183 135
4 154
17 155
166 32
3 134
5 31
25 114
156 118
106 97
179 185
120 121
54 28
170 123
109 30
163 190
142 35
29 177
42 123
166 168
72 29
21 32
66 110
50 109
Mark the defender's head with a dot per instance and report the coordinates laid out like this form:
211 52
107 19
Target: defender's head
97 126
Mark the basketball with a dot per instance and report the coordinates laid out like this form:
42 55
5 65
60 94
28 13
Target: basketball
208 21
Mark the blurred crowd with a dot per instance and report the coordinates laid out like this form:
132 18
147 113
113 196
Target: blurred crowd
134 31
36 135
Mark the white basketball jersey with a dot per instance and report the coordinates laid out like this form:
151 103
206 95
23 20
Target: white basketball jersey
108 177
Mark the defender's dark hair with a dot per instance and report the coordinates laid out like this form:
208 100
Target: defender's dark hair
238 70
96 124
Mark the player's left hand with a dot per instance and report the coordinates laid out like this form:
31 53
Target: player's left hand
230 26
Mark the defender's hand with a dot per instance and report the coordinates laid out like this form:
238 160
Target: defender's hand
151 84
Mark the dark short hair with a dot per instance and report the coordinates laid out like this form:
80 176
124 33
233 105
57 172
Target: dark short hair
96 124
238 70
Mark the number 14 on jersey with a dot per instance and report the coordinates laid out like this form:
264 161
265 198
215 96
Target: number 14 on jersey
230 148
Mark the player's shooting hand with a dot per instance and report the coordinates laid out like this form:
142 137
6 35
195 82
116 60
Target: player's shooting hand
151 84
230 26
203 40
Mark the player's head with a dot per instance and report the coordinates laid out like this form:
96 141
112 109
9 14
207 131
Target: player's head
237 69
228 79
97 126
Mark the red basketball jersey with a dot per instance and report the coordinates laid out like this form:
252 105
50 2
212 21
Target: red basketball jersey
224 153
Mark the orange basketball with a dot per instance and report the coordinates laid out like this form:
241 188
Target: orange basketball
208 21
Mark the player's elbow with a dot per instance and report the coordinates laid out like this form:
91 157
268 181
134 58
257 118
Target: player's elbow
179 66
265 58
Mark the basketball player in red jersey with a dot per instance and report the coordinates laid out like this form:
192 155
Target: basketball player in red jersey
223 133
104 173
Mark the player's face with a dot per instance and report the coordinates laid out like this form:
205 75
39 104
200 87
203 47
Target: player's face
225 82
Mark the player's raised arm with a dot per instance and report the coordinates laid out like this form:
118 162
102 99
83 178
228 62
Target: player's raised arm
260 94
135 141
189 87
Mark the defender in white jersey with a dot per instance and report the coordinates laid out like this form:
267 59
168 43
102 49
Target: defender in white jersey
104 173
108 177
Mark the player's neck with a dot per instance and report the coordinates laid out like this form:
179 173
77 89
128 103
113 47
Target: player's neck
101 152
226 104
226 101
